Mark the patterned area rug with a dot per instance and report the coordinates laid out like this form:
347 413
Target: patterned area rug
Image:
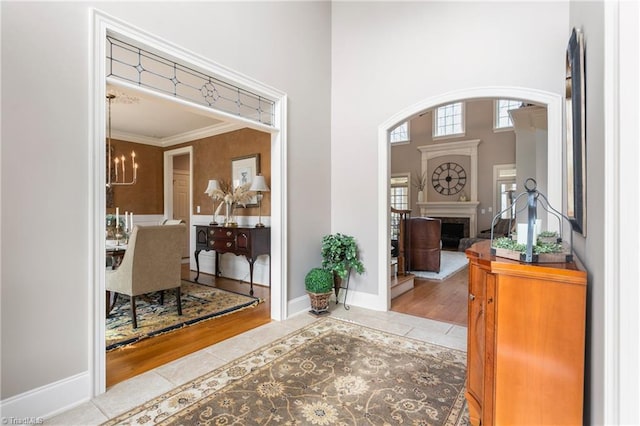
199 303
329 373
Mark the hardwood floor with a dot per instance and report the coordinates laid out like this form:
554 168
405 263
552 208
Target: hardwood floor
444 300
143 356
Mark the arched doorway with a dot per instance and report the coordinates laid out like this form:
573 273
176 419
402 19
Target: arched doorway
553 103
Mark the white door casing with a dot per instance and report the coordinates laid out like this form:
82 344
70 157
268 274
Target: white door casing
101 25
182 201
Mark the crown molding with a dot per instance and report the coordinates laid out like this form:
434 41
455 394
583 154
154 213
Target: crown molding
189 136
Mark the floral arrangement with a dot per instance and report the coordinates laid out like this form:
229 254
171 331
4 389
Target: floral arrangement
238 195
231 196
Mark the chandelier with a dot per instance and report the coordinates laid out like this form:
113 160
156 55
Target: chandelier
119 166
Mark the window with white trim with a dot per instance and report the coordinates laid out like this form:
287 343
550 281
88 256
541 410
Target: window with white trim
400 133
448 120
399 199
502 119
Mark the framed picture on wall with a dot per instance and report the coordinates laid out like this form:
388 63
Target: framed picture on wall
243 171
575 115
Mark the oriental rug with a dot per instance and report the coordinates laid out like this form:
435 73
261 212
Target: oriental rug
331 372
199 303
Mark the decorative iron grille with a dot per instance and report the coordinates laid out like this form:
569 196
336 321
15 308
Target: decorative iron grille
141 67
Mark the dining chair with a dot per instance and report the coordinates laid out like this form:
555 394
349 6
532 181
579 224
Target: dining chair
151 263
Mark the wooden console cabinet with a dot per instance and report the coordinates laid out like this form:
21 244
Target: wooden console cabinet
249 242
525 342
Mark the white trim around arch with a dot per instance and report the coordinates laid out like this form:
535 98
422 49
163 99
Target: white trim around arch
101 25
553 103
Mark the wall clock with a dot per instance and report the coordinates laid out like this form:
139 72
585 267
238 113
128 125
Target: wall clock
449 178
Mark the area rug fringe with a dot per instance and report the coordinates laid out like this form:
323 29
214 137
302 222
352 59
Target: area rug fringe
244 390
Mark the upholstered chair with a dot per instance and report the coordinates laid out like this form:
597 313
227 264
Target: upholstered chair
151 263
423 243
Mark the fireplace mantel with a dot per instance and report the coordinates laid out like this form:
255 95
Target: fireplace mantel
452 209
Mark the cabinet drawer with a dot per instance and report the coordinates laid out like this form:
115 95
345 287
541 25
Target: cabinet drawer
222 245
221 233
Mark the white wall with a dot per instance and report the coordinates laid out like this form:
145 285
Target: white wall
389 56
45 156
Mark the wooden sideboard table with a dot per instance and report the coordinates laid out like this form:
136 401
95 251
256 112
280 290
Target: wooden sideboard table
247 241
526 341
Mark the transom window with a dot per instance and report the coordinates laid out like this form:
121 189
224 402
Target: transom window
501 113
399 195
448 120
400 133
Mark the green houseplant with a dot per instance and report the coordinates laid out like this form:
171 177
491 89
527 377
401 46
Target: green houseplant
340 256
319 282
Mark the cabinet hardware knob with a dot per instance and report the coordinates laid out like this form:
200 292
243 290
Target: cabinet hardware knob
228 244
472 296
228 233
490 300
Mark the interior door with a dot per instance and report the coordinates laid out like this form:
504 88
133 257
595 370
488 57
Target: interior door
181 202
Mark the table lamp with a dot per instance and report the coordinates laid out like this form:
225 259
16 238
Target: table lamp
259 185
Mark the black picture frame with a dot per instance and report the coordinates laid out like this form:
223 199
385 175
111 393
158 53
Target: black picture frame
575 115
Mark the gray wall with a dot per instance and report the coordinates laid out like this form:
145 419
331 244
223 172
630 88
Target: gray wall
589 16
45 135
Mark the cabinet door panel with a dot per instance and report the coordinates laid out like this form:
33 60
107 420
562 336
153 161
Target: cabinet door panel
476 340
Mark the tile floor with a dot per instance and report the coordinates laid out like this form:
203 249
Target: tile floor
137 390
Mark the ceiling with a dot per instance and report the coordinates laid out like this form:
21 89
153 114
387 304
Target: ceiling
138 116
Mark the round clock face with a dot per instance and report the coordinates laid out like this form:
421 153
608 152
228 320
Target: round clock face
449 178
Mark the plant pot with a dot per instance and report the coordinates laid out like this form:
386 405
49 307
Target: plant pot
319 302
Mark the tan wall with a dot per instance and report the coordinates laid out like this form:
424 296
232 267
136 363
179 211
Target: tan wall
211 160
146 196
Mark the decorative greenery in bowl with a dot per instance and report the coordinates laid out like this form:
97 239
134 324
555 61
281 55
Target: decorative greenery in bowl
539 248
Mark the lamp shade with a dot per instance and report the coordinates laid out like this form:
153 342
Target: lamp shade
211 187
259 184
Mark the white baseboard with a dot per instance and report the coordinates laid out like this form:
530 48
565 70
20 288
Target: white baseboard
354 298
298 305
49 400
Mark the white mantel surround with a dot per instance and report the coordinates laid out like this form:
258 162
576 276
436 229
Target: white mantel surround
464 209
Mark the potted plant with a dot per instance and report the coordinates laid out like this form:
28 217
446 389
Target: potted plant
340 256
319 282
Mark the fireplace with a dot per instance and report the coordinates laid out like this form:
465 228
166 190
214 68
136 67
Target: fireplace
453 229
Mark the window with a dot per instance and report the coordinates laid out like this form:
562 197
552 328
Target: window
504 179
400 133
399 200
448 120
501 113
